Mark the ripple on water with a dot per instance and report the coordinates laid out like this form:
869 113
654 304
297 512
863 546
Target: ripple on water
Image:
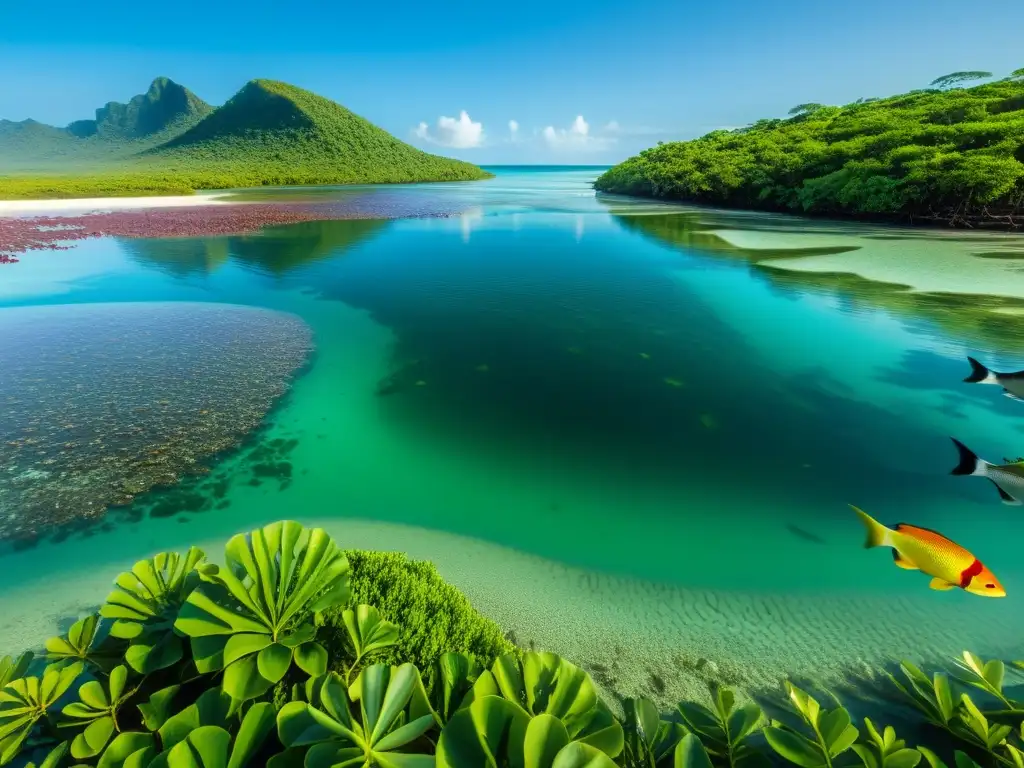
101 402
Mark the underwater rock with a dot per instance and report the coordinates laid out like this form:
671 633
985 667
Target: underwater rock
102 402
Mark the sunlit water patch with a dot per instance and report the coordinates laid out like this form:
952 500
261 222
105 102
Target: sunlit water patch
627 437
101 402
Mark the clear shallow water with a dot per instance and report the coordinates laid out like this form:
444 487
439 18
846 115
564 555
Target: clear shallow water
613 423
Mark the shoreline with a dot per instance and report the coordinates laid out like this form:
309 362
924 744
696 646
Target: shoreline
78 206
1012 222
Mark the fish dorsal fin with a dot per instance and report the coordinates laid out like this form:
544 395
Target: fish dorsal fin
940 584
903 561
1007 498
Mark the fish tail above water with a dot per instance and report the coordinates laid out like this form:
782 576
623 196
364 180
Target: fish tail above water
878 534
969 463
980 374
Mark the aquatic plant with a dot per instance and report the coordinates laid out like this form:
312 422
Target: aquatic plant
546 684
368 633
724 729
145 605
648 740
83 643
997 732
831 732
391 713
97 710
254 617
28 702
884 750
12 669
456 684
522 710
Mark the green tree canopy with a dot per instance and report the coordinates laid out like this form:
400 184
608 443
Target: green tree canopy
938 154
956 78
806 109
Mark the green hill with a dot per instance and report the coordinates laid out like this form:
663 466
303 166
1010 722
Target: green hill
953 156
269 133
275 133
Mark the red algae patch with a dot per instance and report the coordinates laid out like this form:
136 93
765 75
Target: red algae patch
31 233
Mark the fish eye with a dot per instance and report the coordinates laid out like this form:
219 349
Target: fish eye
990 586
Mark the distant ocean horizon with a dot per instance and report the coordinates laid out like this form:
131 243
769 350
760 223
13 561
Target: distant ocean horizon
542 167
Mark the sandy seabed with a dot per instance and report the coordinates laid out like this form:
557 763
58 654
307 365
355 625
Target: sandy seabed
635 637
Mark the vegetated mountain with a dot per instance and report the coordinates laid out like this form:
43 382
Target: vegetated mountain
118 131
953 156
269 133
166 105
274 133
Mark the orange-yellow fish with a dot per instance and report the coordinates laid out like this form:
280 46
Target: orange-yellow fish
921 549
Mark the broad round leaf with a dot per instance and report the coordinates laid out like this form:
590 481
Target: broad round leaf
599 728
690 753
311 658
243 681
273 661
143 758
156 711
480 730
903 758
333 755
545 736
154 652
794 748
743 721
205 747
93 739
93 695
645 719
256 725
123 745
577 755
211 708
299 725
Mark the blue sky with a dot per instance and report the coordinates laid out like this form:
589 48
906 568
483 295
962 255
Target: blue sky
585 82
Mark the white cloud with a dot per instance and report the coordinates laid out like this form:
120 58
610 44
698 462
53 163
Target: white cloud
612 127
576 136
458 133
513 130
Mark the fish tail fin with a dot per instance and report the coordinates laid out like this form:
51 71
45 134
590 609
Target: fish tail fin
969 463
878 534
980 374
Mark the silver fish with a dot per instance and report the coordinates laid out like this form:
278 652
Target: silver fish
1012 383
1008 478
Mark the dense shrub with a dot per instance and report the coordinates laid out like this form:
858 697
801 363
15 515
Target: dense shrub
435 617
954 155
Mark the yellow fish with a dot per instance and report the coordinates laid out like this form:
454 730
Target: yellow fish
921 549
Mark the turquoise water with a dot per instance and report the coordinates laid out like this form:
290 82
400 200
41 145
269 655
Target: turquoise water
611 422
